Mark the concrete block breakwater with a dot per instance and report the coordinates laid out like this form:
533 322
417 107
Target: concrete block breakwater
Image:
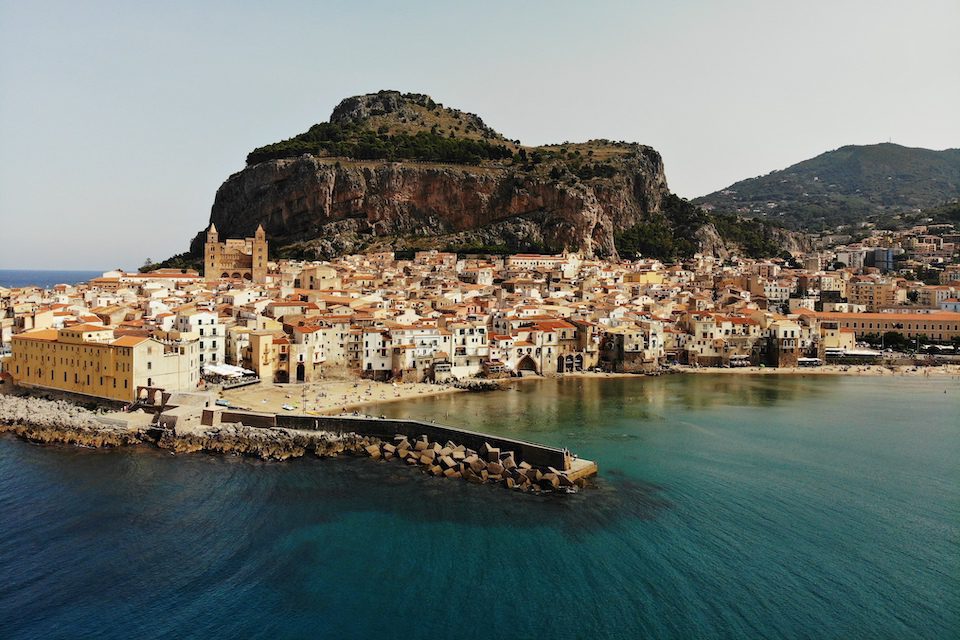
386 428
472 456
487 465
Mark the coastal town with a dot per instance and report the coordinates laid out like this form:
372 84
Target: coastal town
254 329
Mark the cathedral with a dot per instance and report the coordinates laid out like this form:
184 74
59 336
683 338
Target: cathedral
238 259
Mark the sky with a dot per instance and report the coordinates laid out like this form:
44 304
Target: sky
119 120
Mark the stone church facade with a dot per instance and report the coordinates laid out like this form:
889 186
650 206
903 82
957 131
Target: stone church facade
236 259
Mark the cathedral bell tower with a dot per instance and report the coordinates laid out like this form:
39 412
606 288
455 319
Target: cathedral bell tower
211 254
259 255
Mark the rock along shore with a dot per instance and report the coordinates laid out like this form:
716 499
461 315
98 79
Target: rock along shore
488 465
59 422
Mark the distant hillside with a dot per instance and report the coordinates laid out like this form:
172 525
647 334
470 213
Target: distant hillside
846 186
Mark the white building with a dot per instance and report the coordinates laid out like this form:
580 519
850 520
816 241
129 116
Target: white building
212 335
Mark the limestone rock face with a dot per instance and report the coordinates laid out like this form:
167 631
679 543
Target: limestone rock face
710 242
326 207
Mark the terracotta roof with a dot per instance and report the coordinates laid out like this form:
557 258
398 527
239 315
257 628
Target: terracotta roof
49 335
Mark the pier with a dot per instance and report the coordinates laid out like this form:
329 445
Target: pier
537 455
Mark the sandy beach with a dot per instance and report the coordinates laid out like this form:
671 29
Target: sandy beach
328 396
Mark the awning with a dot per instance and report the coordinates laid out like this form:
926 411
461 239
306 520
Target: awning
226 370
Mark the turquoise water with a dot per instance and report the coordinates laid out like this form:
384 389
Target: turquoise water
728 507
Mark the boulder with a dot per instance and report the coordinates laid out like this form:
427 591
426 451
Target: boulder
489 453
451 473
477 466
374 451
389 448
550 481
448 462
495 468
525 465
509 463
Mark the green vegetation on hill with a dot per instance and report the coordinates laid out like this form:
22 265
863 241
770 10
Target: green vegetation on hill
353 141
849 185
185 260
669 234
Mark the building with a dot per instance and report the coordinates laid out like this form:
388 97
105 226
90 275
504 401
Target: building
211 334
633 347
237 259
87 360
874 295
941 326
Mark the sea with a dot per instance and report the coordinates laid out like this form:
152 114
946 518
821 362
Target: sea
727 506
45 279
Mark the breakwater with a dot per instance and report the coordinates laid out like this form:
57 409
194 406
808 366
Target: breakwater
438 450
386 428
488 464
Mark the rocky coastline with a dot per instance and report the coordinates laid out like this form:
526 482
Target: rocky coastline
57 422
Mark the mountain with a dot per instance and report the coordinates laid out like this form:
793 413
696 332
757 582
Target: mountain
845 186
400 171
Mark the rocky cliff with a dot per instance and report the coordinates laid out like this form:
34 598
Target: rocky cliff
326 207
399 171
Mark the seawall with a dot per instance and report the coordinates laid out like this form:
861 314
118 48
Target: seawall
386 428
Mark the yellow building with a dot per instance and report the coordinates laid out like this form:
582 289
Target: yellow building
876 295
238 259
87 359
644 277
941 326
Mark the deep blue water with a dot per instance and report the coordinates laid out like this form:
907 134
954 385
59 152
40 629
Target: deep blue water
728 507
11 278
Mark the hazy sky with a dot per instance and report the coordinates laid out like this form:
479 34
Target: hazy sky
118 121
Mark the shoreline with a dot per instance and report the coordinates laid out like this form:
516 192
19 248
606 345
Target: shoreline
521 466
865 371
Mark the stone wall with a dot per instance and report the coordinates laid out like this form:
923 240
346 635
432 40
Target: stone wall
386 428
